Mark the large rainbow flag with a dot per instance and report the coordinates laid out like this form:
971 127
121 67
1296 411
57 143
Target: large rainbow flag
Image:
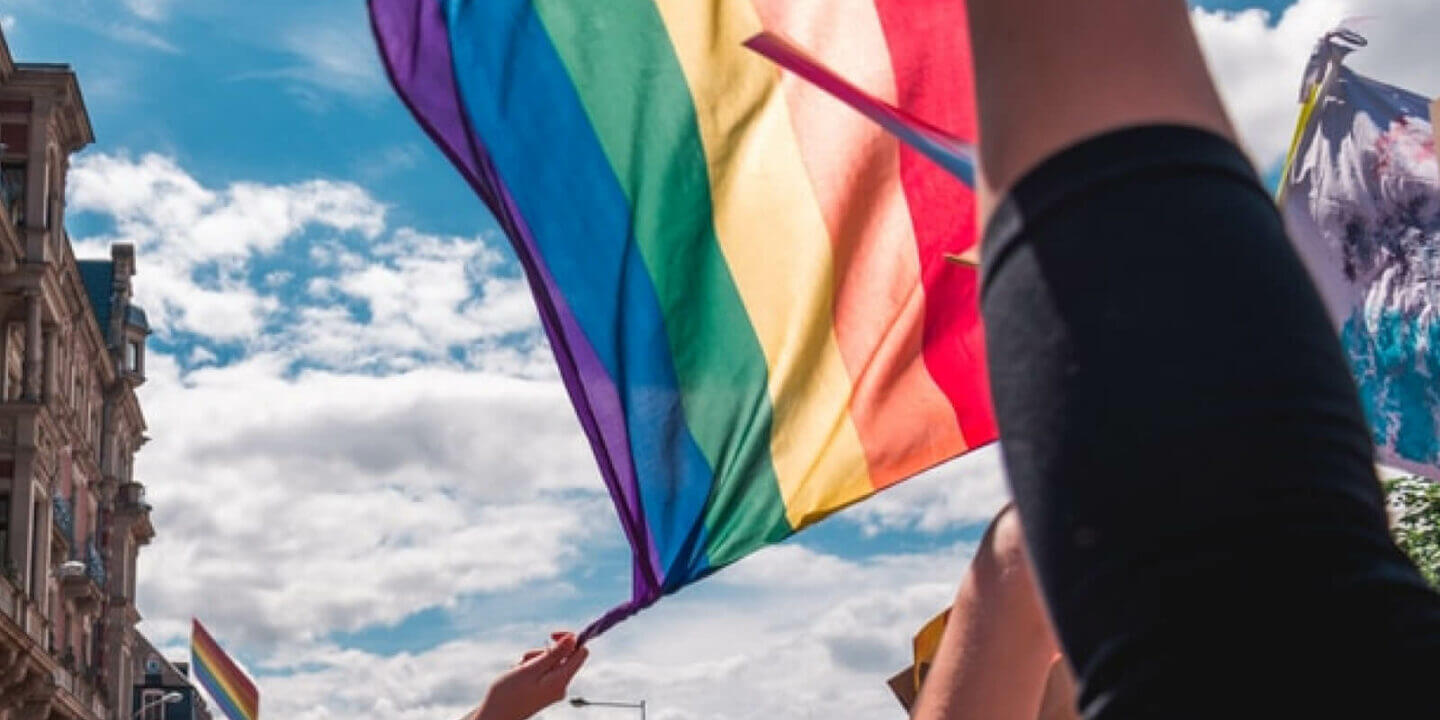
743 280
226 684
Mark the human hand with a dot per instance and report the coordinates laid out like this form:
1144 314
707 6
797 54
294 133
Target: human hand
539 681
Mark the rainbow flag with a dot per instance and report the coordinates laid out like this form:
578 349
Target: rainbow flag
226 684
743 280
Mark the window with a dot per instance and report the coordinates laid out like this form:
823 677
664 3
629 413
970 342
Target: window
132 356
153 703
12 190
34 569
4 530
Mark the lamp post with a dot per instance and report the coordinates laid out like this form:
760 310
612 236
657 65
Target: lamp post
581 702
169 698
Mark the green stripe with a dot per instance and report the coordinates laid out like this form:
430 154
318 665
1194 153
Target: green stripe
627 74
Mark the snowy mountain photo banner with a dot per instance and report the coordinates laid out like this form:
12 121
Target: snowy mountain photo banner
1362 199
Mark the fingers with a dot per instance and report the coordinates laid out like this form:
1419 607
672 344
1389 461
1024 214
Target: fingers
550 658
530 655
571 666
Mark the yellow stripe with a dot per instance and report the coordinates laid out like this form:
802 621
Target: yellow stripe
775 240
213 667
905 421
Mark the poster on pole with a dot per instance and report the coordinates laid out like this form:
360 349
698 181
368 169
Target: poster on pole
1361 195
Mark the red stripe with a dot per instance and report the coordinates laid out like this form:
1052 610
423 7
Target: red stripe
930 50
249 694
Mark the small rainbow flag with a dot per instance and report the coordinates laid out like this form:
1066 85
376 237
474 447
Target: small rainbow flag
744 281
226 684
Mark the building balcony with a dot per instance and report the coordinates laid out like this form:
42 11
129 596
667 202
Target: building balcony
77 587
132 497
94 562
82 580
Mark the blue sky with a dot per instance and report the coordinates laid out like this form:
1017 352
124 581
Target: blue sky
366 477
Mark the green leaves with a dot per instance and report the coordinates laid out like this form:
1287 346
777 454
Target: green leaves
1414 504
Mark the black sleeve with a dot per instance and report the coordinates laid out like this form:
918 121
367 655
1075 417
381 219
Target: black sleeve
1186 447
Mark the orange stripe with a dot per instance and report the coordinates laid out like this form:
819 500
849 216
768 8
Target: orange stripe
905 421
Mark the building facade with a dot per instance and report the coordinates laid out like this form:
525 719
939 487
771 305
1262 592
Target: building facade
156 678
72 515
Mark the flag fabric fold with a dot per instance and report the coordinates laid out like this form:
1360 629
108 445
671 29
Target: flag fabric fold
1361 195
743 280
232 691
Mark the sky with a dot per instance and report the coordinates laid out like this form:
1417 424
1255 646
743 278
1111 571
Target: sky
366 477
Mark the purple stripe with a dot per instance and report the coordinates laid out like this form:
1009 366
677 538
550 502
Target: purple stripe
415 48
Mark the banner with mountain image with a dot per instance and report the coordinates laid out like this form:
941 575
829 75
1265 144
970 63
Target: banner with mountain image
1361 194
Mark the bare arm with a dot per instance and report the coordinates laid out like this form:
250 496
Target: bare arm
998 648
539 681
1050 73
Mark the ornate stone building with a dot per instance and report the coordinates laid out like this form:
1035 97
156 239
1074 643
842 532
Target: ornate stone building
72 516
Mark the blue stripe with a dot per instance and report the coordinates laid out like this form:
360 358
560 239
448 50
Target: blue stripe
215 689
520 98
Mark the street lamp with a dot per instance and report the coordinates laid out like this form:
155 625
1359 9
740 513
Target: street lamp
169 698
581 702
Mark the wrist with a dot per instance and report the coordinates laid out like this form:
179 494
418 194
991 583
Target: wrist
489 710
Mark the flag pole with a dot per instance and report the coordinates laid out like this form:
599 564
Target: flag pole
1331 50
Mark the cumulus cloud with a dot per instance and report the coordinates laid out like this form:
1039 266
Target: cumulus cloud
309 270
352 422
422 296
303 506
742 646
197 243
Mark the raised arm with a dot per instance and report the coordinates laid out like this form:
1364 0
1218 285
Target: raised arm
1052 72
998 648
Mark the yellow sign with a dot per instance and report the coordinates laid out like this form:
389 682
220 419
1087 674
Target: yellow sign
906 685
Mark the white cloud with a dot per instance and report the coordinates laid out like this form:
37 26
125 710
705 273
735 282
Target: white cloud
350 292
421 294
197 243
334 55
1258 63
338 58
742 647
963 492
139 37
407 474
153 10
7 22
381 164
299 507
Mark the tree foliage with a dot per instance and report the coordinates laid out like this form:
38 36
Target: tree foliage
1415 522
